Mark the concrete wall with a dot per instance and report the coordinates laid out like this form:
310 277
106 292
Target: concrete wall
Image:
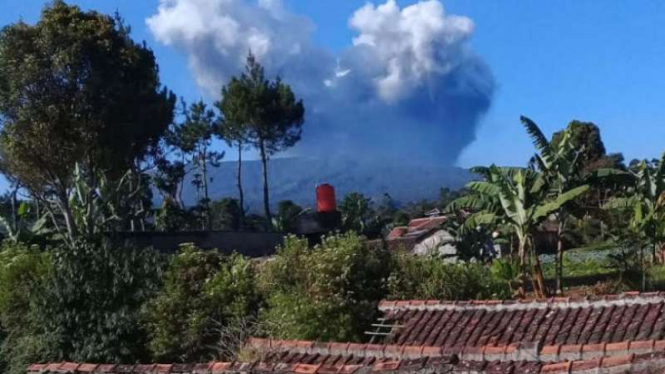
251 244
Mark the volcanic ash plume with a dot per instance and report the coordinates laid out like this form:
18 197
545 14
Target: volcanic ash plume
407 87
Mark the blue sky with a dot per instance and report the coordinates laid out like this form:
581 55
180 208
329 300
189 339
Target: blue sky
600 61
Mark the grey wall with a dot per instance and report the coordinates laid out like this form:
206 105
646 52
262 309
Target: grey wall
251 244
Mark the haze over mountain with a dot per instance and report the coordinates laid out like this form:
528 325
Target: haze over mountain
296 179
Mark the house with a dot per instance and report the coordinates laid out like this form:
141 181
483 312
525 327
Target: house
422 236
607 334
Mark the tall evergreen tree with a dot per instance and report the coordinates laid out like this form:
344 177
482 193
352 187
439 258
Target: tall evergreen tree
271 115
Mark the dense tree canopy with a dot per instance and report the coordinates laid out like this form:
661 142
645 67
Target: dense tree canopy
76 89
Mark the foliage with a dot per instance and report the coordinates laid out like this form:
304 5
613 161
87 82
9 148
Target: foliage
79 303
326 293
76 89
287 214
23 272
520 198
91 302
644 201
560 163
193 140
358 215
226 214
430 277
268 114
202 291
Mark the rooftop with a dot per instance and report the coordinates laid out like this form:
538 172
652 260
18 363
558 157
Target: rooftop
582 321
605 334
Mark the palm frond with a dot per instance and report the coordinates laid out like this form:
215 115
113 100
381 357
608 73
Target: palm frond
539 140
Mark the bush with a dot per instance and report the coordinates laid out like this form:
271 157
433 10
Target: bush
23 271
202 292
76 304
430 277
91 304
326 293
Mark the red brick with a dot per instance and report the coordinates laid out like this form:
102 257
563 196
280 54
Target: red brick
87 368
659 345
143 368
68 367
339 348
495 350
432 302
641 346
37 367
53 367
386 304
550 350
219 367
105 368
306 369
594 348
430 351
616 360
417 302
614 348
393 350
357 349
374 349
203 368
163 368
560 367
413 351
585 365
349 369
386 366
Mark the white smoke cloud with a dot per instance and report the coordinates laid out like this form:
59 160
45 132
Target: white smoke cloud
413 43
406 85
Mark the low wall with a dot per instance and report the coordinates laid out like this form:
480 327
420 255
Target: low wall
251 244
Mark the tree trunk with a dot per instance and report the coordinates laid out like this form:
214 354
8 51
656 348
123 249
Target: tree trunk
559 255
14 208
654 245
266 197
241 195
538 279
204 172
521 246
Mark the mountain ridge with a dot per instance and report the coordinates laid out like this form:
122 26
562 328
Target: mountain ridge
296 179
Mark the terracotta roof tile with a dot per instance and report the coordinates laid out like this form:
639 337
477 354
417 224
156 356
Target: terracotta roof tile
557 321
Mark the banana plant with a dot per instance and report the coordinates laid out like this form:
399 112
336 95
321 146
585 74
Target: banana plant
519 198
561 168
646 200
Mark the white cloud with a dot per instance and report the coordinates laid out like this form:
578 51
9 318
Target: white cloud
413 43
407 78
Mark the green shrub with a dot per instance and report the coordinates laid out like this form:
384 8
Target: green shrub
75 304
326 293
23 272
202 292
430 277
90 306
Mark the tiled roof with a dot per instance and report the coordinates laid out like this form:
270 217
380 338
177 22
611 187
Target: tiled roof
579 322
289 357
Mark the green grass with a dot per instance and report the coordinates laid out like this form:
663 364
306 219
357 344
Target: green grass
600 246
576 269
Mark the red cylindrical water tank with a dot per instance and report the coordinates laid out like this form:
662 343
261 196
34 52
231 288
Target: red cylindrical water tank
325 198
